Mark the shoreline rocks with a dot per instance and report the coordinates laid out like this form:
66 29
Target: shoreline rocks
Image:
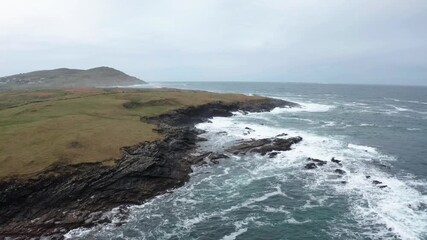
64 197
264 146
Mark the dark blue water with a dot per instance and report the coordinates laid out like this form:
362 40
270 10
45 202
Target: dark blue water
377 131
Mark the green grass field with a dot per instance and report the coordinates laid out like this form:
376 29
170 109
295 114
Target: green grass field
44 127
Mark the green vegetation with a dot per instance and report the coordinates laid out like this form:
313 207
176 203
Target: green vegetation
69 126
68 78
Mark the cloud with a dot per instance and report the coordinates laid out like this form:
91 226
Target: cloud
362 41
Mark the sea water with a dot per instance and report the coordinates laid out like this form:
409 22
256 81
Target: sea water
376 131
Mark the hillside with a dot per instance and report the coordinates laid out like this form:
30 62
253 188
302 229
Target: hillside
69 78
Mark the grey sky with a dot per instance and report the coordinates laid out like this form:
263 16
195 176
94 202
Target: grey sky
328 41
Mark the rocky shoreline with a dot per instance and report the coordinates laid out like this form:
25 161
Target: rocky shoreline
65 197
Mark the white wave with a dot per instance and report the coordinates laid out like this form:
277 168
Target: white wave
363 148
403 109
366 125
305 107
329 124
357 163
262 198
276 210
374 210
233 235
77 233
400 109
389 206
145 85
409 101
418 102
294 221
413 129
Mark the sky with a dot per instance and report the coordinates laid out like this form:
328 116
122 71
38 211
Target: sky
328 41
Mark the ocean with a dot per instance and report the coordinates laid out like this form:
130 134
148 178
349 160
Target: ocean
378 132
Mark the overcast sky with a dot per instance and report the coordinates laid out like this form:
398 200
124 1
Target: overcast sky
328 41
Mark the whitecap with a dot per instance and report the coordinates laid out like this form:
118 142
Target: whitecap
362 148
366 125
233 235
294 221
305 107
403 109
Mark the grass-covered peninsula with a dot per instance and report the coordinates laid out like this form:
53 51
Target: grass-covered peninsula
44 127
68 156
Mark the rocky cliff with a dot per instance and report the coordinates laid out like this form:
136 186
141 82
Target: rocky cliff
70 196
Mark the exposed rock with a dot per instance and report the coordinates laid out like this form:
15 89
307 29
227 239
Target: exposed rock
264 146
215 156
310 166
64 197
317 161
382 186
273 154
248 130
339 171
195 114
367 177
69 194
376 182
336 161
243 112
282 135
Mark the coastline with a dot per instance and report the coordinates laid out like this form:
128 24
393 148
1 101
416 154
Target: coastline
64 197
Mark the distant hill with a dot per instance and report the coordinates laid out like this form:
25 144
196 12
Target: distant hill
69 78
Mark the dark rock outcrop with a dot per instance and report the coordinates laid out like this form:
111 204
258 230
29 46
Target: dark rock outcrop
310 166
264 146
376 182
317 161
64 197
282 135
339 171
336 161
196 114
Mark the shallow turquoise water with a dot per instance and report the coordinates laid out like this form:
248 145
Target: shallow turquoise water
378 131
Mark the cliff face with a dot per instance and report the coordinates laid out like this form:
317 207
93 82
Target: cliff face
70 196
69 78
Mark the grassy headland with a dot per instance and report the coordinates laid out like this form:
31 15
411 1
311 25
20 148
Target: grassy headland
68 78
44 127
